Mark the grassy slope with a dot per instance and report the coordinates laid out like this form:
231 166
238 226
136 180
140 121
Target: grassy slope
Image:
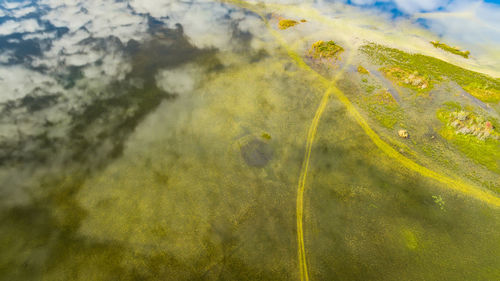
480 85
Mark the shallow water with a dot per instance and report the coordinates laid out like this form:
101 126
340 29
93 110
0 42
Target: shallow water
170 146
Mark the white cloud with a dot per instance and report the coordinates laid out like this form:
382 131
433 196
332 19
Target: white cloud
472 25
363 2
17 81
21 12
160 9
82 59
5 56
23 26
406 6
113 68
180 80
40 35
206 23
9 5
203 26
14 41
475 22
100 18
413 6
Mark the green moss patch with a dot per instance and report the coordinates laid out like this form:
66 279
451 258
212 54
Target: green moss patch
285 23
485 94
382 107
439 201
410 239
385 98
362 70
327 50
453 50
266 136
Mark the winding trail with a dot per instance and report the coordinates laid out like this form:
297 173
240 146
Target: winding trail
313 128
450 183
311 134
304 276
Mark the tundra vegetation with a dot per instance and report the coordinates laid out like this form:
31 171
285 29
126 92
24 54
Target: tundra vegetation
425 69
362 70
403 77
483 93
325 50
286 23
439 201
472 133
382 107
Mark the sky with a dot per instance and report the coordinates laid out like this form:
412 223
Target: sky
464 21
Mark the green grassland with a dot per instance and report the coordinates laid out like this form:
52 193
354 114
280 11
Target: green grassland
466 129
481 86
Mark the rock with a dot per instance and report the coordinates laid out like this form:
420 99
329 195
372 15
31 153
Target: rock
403 134
455 124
